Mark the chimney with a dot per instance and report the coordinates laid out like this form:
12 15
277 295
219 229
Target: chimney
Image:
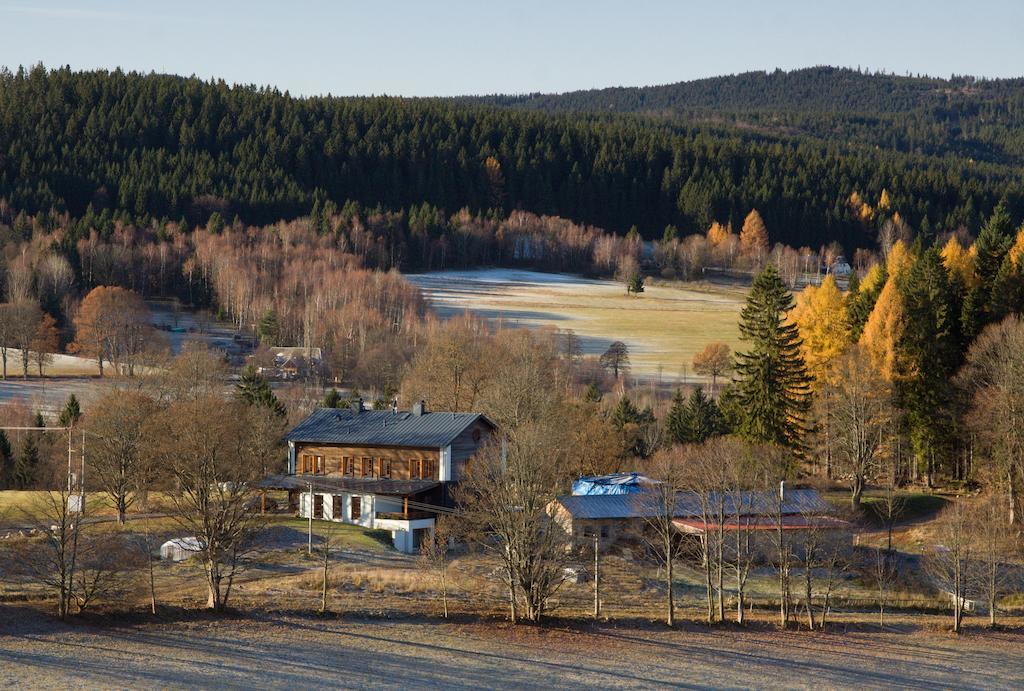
357 406
394 405
419 408
782 490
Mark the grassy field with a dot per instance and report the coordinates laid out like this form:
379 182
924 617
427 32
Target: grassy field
663 327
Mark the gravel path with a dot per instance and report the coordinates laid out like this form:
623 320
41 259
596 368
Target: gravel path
275 651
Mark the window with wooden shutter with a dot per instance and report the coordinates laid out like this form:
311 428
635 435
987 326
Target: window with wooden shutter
319 467
429 469
367 467
348 466
384 467
355 508
336 504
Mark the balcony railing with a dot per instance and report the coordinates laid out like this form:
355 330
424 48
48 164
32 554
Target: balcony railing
399 516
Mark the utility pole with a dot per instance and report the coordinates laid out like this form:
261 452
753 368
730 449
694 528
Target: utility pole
309 510
597 578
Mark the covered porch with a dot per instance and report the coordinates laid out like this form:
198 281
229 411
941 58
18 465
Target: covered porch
372 504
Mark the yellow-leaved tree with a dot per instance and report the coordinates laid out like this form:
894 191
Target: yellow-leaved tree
1016 252
820 315
718 234
959 262
899 261
885 325
754 237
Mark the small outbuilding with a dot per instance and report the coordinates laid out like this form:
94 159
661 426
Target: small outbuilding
180 548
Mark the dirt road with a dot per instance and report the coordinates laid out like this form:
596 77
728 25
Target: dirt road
275 651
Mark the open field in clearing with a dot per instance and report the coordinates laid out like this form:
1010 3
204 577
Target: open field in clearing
663 327
280 650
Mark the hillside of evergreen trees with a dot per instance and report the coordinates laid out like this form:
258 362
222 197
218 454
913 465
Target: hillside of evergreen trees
169 147
963 116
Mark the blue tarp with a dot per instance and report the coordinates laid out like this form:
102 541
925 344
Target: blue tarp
616 483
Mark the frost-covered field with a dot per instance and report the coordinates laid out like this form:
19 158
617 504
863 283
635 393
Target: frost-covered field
295 652
663 327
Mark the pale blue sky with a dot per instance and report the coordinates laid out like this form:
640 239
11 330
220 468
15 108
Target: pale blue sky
466 47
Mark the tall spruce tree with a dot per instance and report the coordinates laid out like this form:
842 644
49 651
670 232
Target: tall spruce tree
772 384
993 244
931 344
71 412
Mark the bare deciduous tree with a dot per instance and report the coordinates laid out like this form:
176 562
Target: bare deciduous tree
117 456
207 447
996 544
505 497
994 378
858 411
951 563
667 468
434 557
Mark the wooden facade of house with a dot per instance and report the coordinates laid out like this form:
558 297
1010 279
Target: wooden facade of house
366 467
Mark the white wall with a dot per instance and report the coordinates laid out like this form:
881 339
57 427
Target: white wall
366 509
401 531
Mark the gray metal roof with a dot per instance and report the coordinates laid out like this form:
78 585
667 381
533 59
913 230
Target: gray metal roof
382 427
688 504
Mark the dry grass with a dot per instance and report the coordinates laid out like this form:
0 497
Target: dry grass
664 327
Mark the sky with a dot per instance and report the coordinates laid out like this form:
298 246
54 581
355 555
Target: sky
451 47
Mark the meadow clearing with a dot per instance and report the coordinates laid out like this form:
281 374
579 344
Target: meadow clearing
663 327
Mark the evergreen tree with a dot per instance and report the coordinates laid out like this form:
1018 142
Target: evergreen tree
635 284
592 394
625 413
675 423
71 412
6 462
931 346
693 420
993 244
332 399
861 297
1008 289
268 329
26 467
703 419
254 389
772 384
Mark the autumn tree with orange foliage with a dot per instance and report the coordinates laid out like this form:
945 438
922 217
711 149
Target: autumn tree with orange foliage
45 342
820 315
754 238
714 361
112 325
887 322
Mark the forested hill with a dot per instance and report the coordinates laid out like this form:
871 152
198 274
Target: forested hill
164 146
980 118
812 89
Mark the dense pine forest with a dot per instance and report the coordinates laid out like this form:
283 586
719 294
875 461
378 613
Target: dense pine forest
145 147
962 116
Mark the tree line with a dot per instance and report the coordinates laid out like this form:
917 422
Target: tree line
164 147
